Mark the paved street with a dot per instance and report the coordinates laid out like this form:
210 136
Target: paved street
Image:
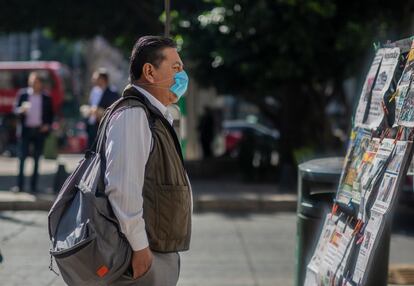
227 250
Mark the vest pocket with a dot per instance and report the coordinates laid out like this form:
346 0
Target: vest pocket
173 205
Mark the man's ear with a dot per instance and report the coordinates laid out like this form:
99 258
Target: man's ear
148 72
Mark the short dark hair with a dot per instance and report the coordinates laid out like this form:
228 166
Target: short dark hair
148 49
102 73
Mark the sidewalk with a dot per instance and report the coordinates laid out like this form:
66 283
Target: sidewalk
209 195
226 250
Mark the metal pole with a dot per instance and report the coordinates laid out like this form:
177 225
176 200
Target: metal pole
167 18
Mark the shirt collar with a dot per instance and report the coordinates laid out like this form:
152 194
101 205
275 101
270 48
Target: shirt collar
161 107
30 91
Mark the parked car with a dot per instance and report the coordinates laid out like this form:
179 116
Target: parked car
254 145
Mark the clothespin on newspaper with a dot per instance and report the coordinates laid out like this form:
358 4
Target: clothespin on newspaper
394 95
399 133
358 226
384 107
384 134
334 209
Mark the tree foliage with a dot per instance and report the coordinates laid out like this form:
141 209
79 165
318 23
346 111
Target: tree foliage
296 51
120 21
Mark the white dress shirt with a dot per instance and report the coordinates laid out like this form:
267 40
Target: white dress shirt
95 97
127 149
34 113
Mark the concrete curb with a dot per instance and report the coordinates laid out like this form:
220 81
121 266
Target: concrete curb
245 203
24 201
202 203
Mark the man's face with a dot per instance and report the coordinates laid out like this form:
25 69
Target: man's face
99 81
35 83
94 79
164 74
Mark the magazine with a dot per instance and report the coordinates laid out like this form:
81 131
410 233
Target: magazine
382 84
359 143
372 229
393 176
365 97
404 85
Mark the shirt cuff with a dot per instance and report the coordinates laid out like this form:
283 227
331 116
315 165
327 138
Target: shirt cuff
138 240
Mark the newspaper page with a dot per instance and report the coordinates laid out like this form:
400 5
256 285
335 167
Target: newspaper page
331 254
365 97
393 177
403 85
327 230
312 272
381 86
345 249
374 174
364 168
406 116
311 278
371 232
359 143
336 248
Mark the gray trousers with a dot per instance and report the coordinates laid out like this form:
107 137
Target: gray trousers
164 271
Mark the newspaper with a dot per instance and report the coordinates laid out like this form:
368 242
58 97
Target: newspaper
337 253
392 177
381 86
371 232
403 85
406 116
374 174
331 254
359 143
364 168
311 278
327 230
362 111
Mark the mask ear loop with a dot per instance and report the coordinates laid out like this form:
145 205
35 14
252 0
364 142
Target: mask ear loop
164 80
155 83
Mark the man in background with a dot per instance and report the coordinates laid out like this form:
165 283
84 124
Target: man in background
34 109
100 98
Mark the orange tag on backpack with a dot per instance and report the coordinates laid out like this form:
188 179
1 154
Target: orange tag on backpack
102 271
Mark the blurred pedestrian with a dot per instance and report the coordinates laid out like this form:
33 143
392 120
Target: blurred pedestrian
100 98
206 131
34 109
146 181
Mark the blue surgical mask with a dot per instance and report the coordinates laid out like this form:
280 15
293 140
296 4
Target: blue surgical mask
180 85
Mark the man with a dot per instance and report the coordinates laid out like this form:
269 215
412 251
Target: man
101 97
34 109
145 178
206 131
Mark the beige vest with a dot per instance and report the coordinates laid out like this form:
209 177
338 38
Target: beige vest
167 191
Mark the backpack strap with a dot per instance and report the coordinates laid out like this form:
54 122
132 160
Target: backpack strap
103 124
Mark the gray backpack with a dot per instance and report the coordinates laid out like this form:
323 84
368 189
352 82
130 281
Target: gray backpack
85 236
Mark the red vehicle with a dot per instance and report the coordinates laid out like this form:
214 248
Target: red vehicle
13 77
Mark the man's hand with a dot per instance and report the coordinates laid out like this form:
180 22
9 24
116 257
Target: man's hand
141 262
24 108
45 128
